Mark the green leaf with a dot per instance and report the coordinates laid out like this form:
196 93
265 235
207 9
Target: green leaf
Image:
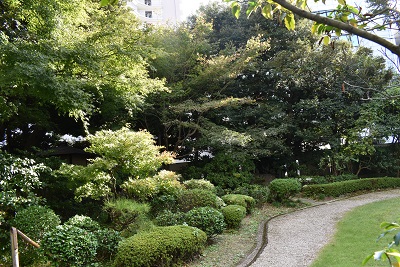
367 259
342 2
267 11
338 32
235 9
327 39
290 23
252 6
104 3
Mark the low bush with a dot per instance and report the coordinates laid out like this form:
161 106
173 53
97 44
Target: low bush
341 188
168 218
164 246
124 212
233 215
163 183
108 241
193 198
260 193
237 199
34 221
69 245
283 189
208 219
83 222
199 184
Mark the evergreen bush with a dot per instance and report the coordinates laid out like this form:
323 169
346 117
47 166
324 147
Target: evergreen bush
168 218
233 215
237 199
260 193
199 184
164 246
208 219
34 222
192 198
283 189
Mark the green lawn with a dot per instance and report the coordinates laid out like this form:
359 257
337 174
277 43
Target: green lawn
357 234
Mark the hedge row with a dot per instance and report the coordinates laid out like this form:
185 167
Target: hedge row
341 188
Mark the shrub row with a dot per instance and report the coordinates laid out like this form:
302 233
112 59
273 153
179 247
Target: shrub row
164 246
341 188
283 189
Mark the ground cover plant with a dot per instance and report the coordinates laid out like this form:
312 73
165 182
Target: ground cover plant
357 234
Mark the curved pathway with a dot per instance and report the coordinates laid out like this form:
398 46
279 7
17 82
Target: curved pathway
295 239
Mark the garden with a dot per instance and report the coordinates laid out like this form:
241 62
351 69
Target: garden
123 144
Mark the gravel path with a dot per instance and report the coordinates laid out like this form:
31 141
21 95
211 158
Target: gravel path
296 238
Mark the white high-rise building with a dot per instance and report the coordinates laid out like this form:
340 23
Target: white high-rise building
156 11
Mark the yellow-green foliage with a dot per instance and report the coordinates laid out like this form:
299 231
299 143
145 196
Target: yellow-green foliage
199 184
233 215
193 198
237 199
163 183
164 246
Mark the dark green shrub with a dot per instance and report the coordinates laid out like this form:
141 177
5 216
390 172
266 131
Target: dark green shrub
233 215
34 221
69 245
168 218
164 246
237 199
108 241
260 193
283 189
208 219
199 184
192 198
341 188
124 212
163 202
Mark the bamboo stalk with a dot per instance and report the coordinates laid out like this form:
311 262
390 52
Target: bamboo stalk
14 246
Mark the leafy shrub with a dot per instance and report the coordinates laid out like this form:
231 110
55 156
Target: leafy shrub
341 188
283 189
236 199
83 222
168 218
164 202
192 198
124 212
199 184
163 183
108 241
260 193
208 219
233 215
164 246
69 245
34 221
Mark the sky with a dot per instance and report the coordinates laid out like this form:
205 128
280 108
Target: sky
189 7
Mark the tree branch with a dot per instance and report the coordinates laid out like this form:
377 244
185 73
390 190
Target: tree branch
341 25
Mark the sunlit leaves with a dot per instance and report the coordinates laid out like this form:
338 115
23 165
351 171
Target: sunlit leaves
290 21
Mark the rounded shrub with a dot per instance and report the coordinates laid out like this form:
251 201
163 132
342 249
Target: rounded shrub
83 222
199 184
283 189
208 219
237 199
168 218
69 245
233 215
193 198
260 193
34 221
108 241
164 246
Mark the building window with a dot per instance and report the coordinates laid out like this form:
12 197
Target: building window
148 14
147 2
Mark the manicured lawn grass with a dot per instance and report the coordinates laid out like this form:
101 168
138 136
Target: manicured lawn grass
357 233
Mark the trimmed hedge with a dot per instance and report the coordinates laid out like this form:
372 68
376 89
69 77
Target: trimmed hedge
194 198
260 193
208 219
237 199
341 188
283 189
233 215
164 246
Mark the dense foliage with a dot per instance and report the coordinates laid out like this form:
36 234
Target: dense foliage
164 246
